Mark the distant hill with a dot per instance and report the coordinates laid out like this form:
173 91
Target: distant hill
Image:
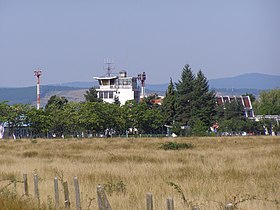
86 85
27 95
74 91
250 81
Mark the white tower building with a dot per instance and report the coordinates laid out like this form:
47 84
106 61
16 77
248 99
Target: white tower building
121 86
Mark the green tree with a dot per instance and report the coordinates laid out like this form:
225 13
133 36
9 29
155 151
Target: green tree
56 102
58 117
4 110
233 110
38 121
231 117
184 96
203 102
199 128
143 117
91 95
91 118
168 105
268 103
16 117
72 121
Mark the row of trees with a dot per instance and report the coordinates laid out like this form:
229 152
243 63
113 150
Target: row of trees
191 103
61 117
188 104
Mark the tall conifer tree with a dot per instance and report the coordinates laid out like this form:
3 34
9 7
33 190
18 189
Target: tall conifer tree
169 104
184 95
203 101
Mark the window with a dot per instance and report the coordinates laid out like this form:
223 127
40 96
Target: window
111 94
106 94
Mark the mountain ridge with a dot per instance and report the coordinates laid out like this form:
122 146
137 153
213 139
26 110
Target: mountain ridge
74 91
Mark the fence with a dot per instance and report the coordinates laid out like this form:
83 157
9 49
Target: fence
103 203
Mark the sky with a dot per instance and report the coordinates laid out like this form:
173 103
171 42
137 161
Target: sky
69 39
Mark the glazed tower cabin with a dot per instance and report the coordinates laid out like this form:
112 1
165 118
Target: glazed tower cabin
119 87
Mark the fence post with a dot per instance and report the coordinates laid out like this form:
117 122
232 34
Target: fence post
25 184
77 193
66 195
170 204
36 190
103 203
56 193
229 206
149 201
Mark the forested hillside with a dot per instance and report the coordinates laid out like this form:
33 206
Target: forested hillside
27 95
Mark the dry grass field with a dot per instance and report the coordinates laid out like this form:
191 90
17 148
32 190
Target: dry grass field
243 170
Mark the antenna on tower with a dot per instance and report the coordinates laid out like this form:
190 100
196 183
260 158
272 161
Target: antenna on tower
142 78
38 73
108 62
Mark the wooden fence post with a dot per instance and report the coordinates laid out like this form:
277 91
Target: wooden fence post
25 184
56 193
103 203
229 206
36 189
149 201
170 204
77 193
66 195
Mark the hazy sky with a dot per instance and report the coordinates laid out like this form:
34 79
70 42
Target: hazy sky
69 39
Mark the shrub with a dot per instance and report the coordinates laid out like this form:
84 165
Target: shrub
175 146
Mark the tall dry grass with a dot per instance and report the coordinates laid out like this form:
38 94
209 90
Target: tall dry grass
243 170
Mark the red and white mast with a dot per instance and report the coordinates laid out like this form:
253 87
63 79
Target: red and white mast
37 74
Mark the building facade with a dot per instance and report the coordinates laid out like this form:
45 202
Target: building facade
244 101
120 87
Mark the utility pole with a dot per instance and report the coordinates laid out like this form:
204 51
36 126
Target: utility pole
37 74
142 78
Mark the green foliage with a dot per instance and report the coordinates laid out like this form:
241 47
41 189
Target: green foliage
91 95
194 102
199 128
184 95
56 102
4 110
55 109
175 146
39 121
145 118
203 102
268 103
168 105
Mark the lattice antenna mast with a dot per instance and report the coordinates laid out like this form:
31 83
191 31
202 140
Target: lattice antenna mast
142 79
108 65
37 74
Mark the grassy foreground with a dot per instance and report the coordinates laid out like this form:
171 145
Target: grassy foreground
243 170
